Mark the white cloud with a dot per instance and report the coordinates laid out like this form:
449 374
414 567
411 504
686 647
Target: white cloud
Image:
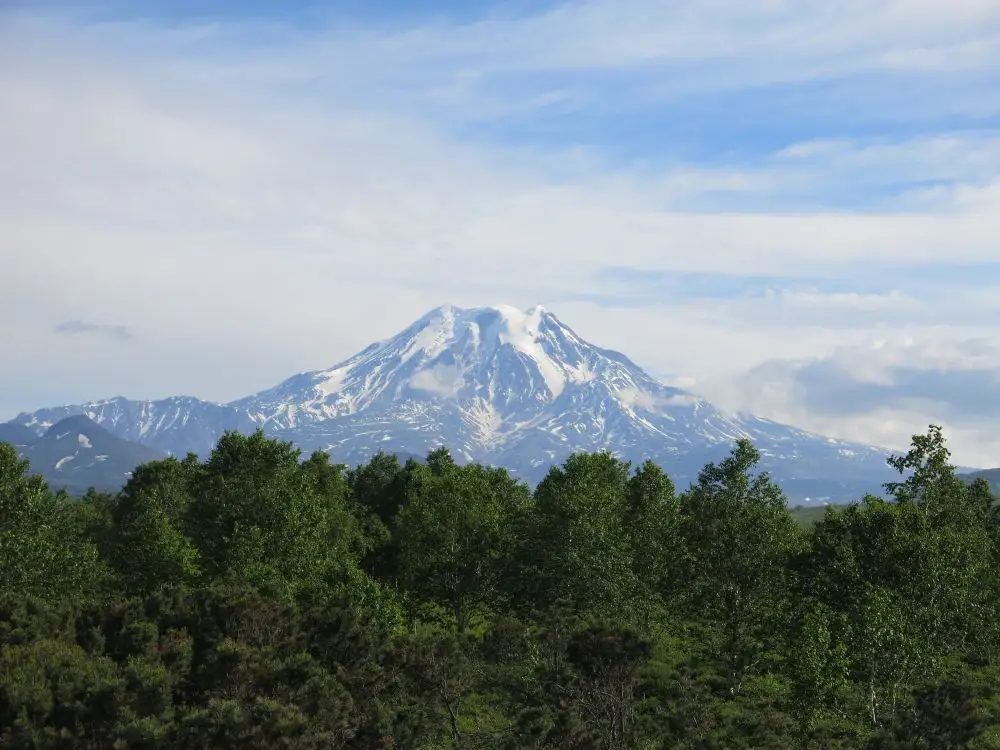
883 391
808 301
635 398
964 157
440 380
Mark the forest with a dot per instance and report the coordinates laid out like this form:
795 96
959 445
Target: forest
262 599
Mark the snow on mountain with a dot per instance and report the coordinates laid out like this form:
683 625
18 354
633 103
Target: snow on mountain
500 357
175 425
511 387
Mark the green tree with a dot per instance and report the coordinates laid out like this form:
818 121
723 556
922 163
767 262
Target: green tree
652 515
820 668
44 551
150 549
53 694
259 514
737 541
455 533
608 660
943 715
375 487
914 579
576 546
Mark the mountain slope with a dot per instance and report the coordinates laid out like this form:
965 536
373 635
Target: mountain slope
76 453
16 434
497 385
992 477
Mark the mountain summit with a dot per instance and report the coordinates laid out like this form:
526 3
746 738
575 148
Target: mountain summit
503 368
516 388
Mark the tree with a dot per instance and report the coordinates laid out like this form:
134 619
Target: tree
652 514
603 611
261 516
943 715
43 550
819 667
914 580
375 486
150 549
738 538
438 667
56 695
576 545
330 483
608 660
933 485
950 580
455 533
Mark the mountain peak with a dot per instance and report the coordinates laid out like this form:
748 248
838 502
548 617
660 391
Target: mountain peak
500 366
77 452
75 423
495 319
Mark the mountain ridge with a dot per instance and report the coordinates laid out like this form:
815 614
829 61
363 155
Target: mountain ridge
515 388
76 453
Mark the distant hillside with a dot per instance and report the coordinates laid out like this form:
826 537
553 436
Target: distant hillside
808 516
992 477
17 434
76 453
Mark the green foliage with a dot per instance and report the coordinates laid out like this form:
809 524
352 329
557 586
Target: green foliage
260 515
737 539
149 548
258 600
43 550
454 534
652 522
576 544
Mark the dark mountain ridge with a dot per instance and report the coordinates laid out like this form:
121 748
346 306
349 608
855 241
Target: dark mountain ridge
76 453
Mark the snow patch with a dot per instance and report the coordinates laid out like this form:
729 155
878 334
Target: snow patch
519 328
433 338
84 441
333 383
485 419
580 374
62 461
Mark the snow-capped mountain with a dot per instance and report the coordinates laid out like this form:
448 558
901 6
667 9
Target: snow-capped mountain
497 385
176 425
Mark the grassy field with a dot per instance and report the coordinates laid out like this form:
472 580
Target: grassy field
807 516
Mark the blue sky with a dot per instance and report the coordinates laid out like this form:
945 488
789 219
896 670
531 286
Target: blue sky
743 196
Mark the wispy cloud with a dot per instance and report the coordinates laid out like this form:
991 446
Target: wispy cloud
77 327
